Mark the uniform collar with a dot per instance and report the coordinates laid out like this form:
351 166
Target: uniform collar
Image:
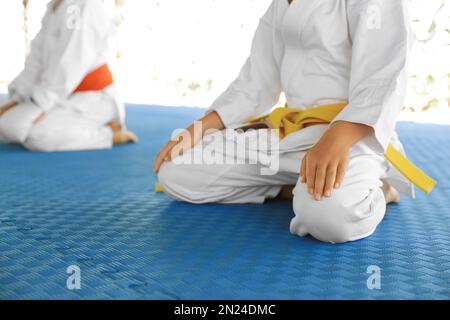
296 16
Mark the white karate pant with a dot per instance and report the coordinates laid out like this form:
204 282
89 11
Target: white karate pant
351 213
76 124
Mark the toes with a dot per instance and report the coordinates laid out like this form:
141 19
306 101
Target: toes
132 137
123 137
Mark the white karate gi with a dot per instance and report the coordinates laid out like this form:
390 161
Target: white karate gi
73 42
318 52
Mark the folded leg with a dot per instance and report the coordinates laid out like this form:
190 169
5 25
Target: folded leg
67 130
79 123
221 183
15 124
352 212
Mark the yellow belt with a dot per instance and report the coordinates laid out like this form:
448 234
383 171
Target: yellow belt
289 120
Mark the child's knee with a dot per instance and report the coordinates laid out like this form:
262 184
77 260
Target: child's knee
10 132
334 219
168 176
16 124
4 136
178 182
42 138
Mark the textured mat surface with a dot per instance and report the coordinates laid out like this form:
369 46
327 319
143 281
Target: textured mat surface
97 210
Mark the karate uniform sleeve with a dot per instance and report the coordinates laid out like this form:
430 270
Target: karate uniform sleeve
21 87
74 55
257 87
381 41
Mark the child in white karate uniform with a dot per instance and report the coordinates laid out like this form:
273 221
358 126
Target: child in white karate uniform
65 98
317 52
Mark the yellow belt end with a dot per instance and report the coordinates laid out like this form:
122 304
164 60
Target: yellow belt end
428 186
409 170
158 187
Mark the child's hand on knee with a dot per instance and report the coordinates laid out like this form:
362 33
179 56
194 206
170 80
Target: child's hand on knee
173 148
188 138
324 165
7 106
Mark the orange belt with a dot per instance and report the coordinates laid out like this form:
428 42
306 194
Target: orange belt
96 80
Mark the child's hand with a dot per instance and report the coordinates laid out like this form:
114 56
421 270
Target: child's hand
188 139
7 106
324 165
184 142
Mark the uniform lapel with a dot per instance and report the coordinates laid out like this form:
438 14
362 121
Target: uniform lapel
298 14
294 22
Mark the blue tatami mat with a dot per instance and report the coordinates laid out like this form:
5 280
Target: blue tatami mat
97 210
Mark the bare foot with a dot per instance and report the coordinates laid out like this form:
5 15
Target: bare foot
390 193
121 136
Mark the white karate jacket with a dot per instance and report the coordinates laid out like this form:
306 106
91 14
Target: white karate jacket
72 42
326 51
